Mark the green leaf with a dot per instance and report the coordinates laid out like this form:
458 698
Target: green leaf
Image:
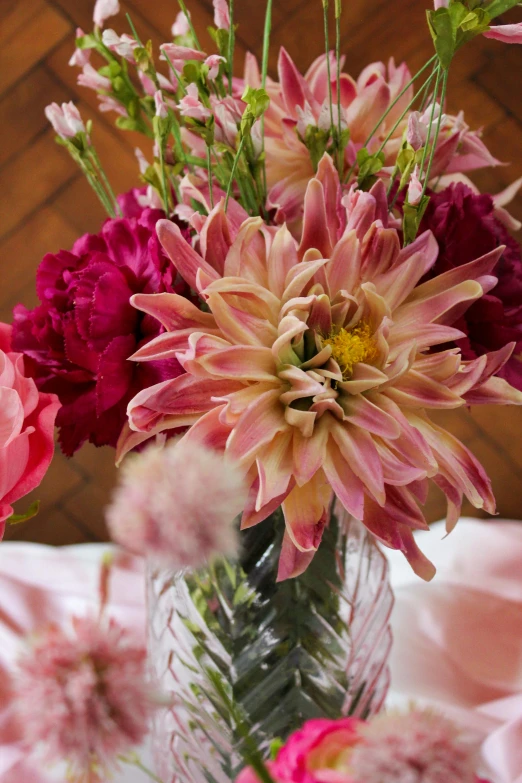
411 218
32 511
275 747
86 42
127 123
444 33
369 166
498 7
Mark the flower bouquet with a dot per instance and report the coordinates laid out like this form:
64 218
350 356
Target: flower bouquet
261 330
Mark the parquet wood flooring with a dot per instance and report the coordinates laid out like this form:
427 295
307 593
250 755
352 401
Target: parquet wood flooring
45 204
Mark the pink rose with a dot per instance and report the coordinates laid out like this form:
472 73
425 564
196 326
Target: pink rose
26 429
317 753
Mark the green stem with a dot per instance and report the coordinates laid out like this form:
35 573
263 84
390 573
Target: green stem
189 22
210 185
437 132
105 181
164 188
233 171
264 71
340 150
133 30
432 116
328 70
135 762
231 44
397 99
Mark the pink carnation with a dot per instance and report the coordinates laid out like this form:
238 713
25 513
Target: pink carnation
84 696
178 504
26 429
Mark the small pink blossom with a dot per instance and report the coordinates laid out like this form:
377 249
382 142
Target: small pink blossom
84 696
180 26
107 103
213 65
161 107
506 33
415 188
103 9
418 747
142 160
221 14
89 77
415 135
65 119
178 504
80 56
175 52
123 45
440 4
191 106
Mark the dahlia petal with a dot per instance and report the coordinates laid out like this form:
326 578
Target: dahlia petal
309 453
360 211
274 466
402 507
210 431
315 222
302 420
292 562
442 367
474 270
418 391
364 378
424 336
344 268
378 191
305 513
348 488
329 179
164 346
281 259
458 465
254 298
364 112
215 238
362 412
252 517
245 259
443 307
294 88
302 385
298 278
380 251
251 73
395 471
494 391
454 501
426 244
417 560
257 425
358 449
173 311
244 362
238 401
384 527
182 255
320 318
241 327
411 444
398 283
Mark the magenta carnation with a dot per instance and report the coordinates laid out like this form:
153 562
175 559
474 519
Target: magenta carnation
77 342
465 227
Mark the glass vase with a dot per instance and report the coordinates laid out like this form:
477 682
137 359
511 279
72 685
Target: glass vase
241 654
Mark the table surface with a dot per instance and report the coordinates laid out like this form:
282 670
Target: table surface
46 204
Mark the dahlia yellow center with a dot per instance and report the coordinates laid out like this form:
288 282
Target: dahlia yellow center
349 347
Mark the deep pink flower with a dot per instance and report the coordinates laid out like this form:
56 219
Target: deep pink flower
84 696
465 226
26 429
505 33
79 339
103 10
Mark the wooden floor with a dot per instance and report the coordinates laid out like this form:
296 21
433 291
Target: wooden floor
45 204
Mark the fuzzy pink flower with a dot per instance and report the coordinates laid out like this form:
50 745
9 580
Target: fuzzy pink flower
191 106
221 14
65 119
312 366
176 52
80 57
104 9
415 188
26 428
84 696
160 105
418 747
158 508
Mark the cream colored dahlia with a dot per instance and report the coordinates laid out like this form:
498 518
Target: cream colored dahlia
312 367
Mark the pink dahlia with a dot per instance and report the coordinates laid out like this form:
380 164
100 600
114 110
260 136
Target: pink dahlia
84 697
464 224
78 340
26 428
311 367
299 102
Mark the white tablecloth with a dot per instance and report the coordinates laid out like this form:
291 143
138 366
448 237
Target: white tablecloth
458 640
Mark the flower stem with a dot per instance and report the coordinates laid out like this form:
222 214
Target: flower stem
432 117
105 181
437 131
264 71
328 70
233 171
231 44
340 148
210 185
189 22
134 761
